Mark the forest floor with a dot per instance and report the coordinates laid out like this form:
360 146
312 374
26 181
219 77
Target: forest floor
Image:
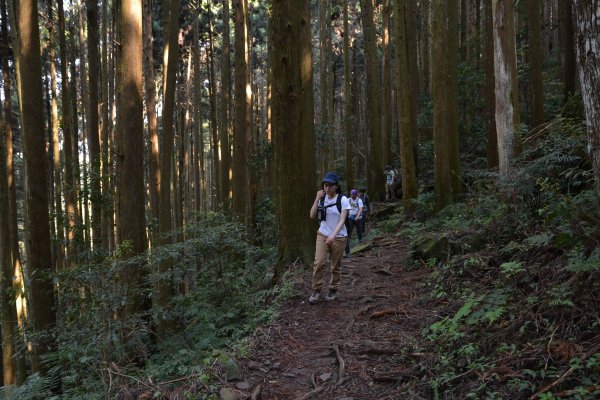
344 349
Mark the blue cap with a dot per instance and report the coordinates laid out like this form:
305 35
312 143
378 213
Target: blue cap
353 192
331 178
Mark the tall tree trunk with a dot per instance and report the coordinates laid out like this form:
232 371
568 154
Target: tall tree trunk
489 90
69 184
324 67
452 98
439 11
15 252
56 164
405 121
252 175
225 132
92 120
199 175
171 58
154 158
9 312
507 98
588 55
567 37
107 196
242 112
79 232
85 103
425 49
348 109
216 171
130 150
373 115
292 127
29 81
536 61
413 71
386 84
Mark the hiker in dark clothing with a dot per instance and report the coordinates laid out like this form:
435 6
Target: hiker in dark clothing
354 218
362 194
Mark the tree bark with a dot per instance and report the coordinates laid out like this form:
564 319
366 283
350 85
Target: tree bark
588 60
15 252
489 89
425 49
567 38
171 59
93 123
292 127
348 105
386 84
243 103
413 71
29 81
324 71
405 121
130 150
507 95
199 171
373 115
56 162
9 312
452 99
106 125
154 157
216 170
225 131
439 76
536 61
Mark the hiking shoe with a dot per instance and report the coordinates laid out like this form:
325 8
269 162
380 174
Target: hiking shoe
332 295
314 297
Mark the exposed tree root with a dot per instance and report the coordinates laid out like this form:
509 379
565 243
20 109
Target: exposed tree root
255 393
383 313
315 391
340 362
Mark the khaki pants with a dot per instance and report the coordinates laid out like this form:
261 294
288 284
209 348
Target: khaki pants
322 249
389 192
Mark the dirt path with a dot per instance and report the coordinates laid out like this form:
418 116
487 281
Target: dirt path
347 349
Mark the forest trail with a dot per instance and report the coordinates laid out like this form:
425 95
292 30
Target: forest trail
343 349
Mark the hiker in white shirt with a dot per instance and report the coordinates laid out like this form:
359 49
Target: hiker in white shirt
330 208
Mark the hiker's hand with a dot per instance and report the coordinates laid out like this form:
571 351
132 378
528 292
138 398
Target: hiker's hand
330 240
320 194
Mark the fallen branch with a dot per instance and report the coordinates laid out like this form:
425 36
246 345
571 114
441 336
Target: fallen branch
255 393
382 313
341 362
387 377
377 351
571 392
566 374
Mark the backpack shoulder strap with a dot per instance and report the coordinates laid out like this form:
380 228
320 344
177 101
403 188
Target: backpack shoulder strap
338 203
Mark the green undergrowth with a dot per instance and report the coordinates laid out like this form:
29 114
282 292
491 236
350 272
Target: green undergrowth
219 300
514 297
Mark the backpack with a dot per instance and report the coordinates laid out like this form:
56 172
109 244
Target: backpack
323 207
365 201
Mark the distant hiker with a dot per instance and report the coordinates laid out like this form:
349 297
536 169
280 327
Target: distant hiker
362 194
330 208
354 218
389 174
